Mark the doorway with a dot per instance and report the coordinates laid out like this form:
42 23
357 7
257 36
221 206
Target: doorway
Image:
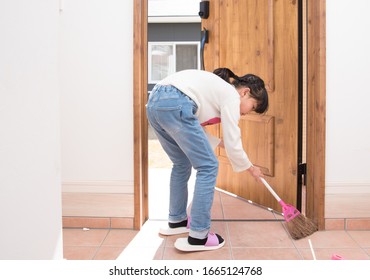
315 112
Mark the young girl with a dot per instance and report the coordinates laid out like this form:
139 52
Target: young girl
178 109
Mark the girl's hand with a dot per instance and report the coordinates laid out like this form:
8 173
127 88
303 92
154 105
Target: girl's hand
255 172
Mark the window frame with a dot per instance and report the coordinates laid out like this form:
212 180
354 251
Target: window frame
173 44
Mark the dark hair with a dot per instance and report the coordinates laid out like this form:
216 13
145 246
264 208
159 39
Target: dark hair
253 82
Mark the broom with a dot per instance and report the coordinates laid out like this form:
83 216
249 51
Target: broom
298 225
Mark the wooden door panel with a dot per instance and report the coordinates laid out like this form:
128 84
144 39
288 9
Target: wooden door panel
253 49
260 37
261 145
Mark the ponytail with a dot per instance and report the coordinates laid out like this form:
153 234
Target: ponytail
225 74
253 82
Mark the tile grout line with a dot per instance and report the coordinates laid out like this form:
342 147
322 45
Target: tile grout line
231 252
100 245
227 227
363 249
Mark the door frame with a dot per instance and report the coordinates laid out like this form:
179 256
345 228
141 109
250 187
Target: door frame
316 112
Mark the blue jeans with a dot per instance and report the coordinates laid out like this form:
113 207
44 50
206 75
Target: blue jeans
172 115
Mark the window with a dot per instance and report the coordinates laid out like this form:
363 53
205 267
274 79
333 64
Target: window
166 58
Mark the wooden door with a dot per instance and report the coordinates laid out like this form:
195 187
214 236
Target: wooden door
260 37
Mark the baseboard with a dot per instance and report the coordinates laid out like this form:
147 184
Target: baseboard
126 187
347 224
98 222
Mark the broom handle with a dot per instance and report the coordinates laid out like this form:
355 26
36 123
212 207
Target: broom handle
270 189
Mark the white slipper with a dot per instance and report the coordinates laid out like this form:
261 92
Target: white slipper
212 243
174 231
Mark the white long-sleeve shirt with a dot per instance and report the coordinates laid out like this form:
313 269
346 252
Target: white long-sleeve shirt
217 101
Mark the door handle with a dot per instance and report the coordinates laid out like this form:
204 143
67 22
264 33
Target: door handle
203 41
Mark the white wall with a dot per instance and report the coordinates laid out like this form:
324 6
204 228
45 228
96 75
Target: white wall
348 97
30 185
96 95
173 8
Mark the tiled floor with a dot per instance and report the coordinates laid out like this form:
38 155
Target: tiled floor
95 244
251 233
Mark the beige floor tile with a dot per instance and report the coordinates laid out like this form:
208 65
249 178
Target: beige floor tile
79 252
361 237
259 234
116 237
367 251
108 253
328 239
159 253
239 209
216 211
242 253
79 237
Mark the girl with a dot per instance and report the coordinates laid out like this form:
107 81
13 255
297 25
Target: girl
178 109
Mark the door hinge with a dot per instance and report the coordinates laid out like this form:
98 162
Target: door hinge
302 171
